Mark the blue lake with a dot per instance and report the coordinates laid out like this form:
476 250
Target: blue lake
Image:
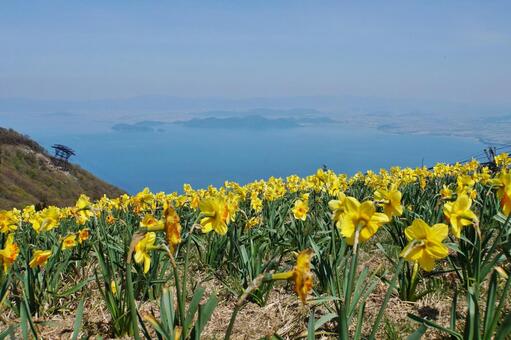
163 161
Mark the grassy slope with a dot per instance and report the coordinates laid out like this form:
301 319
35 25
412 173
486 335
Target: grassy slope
28 176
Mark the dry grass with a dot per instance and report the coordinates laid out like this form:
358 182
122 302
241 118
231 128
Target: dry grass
284 314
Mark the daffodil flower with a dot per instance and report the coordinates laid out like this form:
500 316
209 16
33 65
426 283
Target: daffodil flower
446 193
459 215
9 221
39 258
362 219
83 235
82 210
390 200
301 274
300 210
172 226
215 214
142 249
9 253
69 242
151 223
503 182
338 208
46 219
425 243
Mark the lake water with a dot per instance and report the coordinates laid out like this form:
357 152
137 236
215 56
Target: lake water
163 161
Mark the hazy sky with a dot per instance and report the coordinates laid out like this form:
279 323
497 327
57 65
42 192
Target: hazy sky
447 50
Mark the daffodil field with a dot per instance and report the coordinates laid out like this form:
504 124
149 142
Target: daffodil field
344 250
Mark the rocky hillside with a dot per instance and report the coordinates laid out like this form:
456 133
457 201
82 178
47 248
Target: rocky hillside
28 175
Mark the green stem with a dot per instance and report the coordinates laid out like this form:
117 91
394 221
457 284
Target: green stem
351 275
183 290
180 301
132 304
415 281
231 322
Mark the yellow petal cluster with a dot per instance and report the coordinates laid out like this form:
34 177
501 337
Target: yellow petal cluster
425 243
357 220
459 215
215 214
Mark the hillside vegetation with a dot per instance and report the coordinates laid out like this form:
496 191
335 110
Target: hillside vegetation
29 176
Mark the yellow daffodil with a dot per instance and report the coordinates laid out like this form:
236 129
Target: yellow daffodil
465 182
361 218
232 206
27 213
9 253
83 235
151 223
110 219
9 221
301 274
143 201
46 219
425 243
82 210
69 242
142 249
252 222
458 214
503 182
172 226
446 193
215 215
300 210
390 200
338 208
503 160
255 202
39 258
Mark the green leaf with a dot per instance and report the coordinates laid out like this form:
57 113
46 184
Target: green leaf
167 310
490 305
435 325
131 302
75 288
324 319
310 326
205 312
504 329
194 305
455 247
417 335
454 307
8 332
78 320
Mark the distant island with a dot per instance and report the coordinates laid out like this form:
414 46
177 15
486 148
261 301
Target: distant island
252 122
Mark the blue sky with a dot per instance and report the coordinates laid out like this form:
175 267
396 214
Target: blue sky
442 50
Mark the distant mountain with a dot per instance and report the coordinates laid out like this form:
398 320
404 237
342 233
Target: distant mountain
28 175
